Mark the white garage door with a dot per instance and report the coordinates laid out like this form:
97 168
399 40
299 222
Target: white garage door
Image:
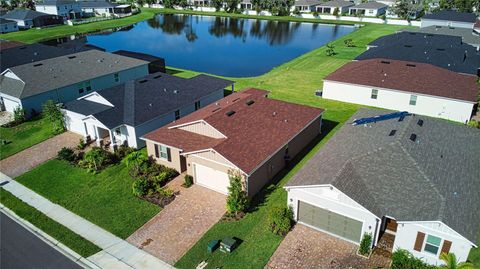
211 178
329 221
10 105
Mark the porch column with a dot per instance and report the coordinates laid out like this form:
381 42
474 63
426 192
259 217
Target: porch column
233 88
112 139
97 137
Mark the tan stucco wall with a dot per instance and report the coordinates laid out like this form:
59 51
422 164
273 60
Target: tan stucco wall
174 154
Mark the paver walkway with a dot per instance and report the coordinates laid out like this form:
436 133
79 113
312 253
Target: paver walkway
35 155
304 247
116 254
173 231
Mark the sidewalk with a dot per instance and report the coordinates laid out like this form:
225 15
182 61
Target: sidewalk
117 253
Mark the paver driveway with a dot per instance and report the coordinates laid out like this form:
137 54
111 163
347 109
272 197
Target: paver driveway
304 247
35 155
173 231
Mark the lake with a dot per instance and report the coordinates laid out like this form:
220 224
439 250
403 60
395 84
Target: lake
219 45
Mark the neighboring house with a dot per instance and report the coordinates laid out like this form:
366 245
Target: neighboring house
121 114
369 9
29 53
449 18
7 26
104 8
246 4
306 5
330 6
67 9
412 178
468 36
405 86
65 78
7 44
245 132
447 52
389 3
155 64
27 18
476 27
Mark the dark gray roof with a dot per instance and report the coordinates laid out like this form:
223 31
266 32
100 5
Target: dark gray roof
451 15
468 35
370 5
5 21
56 2
307 2
97 4
137 55
435 178
24 14
336 3
144 99
55 73
34 52
450 53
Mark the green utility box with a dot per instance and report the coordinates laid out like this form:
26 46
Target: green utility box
228 244
212 246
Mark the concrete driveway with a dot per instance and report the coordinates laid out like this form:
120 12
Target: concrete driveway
35 155
304 247
173 231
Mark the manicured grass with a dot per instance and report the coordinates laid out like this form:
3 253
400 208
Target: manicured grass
72 240
24 135
105 199
295 81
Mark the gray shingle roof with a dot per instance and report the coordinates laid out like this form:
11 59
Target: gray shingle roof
139 101
435 178
97 4
468 35
55 73
307 2
370 5
451 15
24 14
55 2
5 21
336 3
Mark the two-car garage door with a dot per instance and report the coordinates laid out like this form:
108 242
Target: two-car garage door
331 222
211 178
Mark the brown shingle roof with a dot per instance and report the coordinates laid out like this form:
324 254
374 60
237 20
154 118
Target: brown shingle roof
408 76
5 44
254 132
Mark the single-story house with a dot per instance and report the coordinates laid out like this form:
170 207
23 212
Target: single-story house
122 114
405 176
330 7
104 8
369 9
155 64
65 78
68 9
29 53
418 88
27 18
449 18
468 36
8 26
246 4
306 5
447 52
245 132
199 3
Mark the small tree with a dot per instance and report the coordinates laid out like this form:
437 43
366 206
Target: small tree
19 115
95 159
349 43
66 154
237 200
280 220
336 11
134 161
217 4
365 244
330 50
53 113
140 187
451 262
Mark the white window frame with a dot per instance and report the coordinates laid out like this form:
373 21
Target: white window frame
425 244
374 93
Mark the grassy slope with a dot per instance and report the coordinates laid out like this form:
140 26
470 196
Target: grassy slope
49 226
105 199
23 136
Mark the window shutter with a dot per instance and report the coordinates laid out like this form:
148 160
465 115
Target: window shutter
446 246
169 158
157 155
419 241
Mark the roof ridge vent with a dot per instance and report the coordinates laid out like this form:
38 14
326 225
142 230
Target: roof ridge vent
420 122
39 64
385 62
392 132
143 81
230 113
236 99
411 65
250 102
72 57
413 137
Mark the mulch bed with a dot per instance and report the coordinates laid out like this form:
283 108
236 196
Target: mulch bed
158 199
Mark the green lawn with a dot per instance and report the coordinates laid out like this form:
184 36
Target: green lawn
72 240
105 199
24 135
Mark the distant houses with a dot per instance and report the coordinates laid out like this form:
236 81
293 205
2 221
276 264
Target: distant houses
26 18
449 18
7 26
67 9
104 8
370 9
330 7
468 36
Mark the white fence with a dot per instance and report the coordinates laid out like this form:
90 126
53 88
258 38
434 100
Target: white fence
310 16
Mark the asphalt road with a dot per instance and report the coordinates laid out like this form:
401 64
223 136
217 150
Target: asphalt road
19 248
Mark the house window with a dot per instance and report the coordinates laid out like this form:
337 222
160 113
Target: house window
433 244
374 94
197 105
117 131
161 152
88 86
80 91
413 100
116 77
177 114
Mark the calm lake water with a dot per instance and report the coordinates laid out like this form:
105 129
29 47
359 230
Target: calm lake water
218 45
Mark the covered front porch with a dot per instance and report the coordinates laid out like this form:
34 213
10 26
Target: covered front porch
106 138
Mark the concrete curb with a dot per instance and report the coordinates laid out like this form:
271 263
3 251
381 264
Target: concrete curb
57 245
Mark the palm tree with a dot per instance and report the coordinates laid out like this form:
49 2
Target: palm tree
451 262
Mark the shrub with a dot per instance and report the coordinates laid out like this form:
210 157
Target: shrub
315 13
66 154
123 151
167 192
237 200
19 115
336 11
474 124
296 12
330 50
280 220
96 159
188 181
365 244
349 43
402 259
81 144
135 160
140 187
